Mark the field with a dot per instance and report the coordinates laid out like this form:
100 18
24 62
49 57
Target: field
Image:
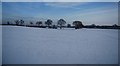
25 45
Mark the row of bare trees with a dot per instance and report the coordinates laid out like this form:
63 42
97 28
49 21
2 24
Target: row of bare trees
19 22
49 23
61 23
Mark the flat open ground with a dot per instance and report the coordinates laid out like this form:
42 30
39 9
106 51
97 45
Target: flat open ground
24 45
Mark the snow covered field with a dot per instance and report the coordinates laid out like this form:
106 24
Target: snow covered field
1 45
24 45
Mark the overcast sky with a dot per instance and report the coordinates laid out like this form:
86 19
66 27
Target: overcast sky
101 13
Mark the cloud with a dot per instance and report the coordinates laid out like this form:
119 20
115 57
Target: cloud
64 4
97 16
103 14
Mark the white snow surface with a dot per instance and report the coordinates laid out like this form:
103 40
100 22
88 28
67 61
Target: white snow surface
26 45
0 45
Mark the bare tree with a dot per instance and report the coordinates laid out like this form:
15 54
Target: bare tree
61 23
68 25
31 23
21 22
17 22
48 22
39 23
77 24
115 25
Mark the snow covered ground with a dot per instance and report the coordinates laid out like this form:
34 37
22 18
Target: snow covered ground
0 45
24 45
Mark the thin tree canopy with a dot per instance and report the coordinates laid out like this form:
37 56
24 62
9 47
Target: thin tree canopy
61 22
48 22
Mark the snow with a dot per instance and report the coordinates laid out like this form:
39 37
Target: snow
1 45
25 45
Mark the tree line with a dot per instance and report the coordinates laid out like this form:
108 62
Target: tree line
61 23
48 23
